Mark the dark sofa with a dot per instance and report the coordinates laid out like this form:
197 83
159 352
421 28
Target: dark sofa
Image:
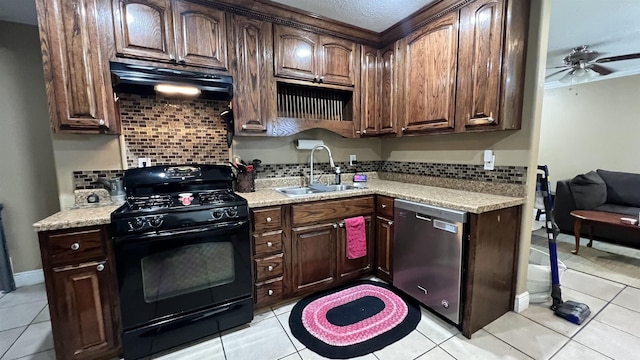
600 190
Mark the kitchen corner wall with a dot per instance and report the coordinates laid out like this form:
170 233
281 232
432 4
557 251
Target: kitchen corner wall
28 186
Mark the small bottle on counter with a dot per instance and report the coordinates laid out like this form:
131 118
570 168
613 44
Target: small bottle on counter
338 180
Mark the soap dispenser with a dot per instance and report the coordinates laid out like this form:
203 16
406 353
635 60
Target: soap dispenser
338 181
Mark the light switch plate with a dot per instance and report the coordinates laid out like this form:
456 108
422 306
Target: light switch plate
352 160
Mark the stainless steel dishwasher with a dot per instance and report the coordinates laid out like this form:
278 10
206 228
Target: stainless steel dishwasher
428 251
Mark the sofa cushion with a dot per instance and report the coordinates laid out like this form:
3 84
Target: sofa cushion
619 209
622 188
589 190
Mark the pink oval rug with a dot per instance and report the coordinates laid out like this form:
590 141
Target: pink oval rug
353 320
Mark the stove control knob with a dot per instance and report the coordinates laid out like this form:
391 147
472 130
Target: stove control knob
136 224
217 214
156 221
232 212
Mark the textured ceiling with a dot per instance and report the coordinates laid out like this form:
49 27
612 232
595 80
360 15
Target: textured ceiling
610 27
375 15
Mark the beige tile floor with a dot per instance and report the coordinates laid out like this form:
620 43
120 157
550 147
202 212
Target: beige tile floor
611 332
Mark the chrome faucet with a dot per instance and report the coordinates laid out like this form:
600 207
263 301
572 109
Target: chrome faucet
333 165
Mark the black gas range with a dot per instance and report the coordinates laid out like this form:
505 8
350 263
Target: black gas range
183 256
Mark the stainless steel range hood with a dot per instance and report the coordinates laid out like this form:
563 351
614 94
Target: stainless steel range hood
149 80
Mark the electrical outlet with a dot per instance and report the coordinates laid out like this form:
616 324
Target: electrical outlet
144 162
352 160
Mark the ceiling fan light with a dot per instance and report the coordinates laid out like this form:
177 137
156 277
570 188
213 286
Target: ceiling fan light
580 73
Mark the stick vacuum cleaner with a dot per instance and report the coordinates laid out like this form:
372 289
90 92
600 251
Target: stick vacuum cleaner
572 311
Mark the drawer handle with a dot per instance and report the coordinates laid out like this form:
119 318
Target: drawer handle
269 244
270 292
268 219
100 267
270 268
75 246
384 206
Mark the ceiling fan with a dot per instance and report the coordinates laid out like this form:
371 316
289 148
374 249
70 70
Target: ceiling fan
583 64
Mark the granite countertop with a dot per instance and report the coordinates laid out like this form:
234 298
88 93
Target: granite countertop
453 199
473 202
76 217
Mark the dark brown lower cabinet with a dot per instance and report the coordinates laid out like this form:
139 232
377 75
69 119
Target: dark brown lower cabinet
384 248
354 268
314 252
82 292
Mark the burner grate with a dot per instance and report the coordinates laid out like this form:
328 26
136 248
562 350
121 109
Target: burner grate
214 197
150 202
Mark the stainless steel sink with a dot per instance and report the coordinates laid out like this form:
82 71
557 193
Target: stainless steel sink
305 190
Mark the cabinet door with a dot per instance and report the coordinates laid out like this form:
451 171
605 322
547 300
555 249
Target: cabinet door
295 53
78 82
430 76
479 65
353 268
201 35
336 61
384 248
83 307
369 91
144 29
254 91
388 84
314 254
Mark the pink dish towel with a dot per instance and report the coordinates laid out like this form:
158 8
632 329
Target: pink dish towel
356 237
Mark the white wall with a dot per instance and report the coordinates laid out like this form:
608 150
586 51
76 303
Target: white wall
28 185
591 126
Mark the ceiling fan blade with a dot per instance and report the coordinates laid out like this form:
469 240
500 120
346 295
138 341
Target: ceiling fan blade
567 77
600 69
556 73
559 67
619 58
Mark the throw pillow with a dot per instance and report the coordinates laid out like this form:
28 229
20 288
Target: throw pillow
589 190
622 187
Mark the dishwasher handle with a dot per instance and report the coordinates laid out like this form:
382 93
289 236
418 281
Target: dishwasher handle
422 217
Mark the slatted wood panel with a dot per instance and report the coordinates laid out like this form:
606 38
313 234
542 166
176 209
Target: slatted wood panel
313 103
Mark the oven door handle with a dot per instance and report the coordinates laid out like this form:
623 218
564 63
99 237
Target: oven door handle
220 227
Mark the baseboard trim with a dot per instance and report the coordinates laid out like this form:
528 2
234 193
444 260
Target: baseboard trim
521 302
27 278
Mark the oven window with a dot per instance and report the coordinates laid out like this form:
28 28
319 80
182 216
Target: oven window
187 269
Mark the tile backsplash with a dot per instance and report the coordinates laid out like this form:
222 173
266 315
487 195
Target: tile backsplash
172 131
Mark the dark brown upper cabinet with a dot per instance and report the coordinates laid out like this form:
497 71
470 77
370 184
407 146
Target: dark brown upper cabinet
322 59
369 91
430 58
76 68
479 65
177 31
388 84
254 88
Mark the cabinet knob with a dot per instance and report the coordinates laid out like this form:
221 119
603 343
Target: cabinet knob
244 126
268 219
101 122
358 132
335 226
100 267
364 131
384 206
75 246
390 223
341 224
270 292
270 268
321 78
403 129
269 244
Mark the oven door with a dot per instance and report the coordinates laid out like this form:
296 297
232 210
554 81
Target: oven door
171 273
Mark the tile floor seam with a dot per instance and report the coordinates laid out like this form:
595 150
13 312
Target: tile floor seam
510 345
593 349
288 337
224 352
446 352
617 328
437 344
427 350
13 343
594 275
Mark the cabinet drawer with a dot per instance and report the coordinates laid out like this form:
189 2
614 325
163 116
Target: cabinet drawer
269 267
268 292
331 209
267 243
75 247
384 206
267 219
